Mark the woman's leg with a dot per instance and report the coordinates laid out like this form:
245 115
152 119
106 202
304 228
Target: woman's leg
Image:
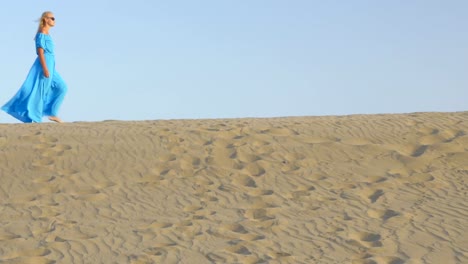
55 97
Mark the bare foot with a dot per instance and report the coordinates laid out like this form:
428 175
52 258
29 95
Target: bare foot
55 119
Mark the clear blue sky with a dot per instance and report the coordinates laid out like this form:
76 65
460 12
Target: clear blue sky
147 60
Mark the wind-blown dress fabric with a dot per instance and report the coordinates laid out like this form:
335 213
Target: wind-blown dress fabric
39 96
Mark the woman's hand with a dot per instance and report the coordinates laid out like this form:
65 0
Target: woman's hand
40 52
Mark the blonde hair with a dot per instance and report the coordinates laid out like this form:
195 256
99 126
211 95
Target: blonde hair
42 20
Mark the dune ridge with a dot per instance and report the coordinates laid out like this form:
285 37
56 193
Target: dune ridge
386 189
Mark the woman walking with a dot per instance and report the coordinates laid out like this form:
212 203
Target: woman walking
43 90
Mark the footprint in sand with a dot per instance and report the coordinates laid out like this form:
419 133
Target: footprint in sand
365 239
376 195
44 212
50 153
87 193
197 212
258 214
240 253
31 138
203 214
279 131
44 229
215 258
65 233
160 248
409 150
244 180
235 227
382 214
259 192
58 150
419 151
239 249
369 258
5 235
166 157
47 139
192 208
39 252
376 179
247 156
372 238
420 178
67 172
159 225
238 232
156 251
368 195
254 169
389 260
43 162
301 192
44 179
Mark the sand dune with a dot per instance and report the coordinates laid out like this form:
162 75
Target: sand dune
384 189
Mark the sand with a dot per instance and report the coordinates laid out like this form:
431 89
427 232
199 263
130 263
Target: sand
388 188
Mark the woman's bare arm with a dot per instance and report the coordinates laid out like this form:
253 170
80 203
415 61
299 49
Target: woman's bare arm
40 52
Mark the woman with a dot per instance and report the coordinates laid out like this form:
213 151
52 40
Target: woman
43 90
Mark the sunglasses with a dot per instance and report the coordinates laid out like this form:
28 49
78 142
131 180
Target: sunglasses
53 18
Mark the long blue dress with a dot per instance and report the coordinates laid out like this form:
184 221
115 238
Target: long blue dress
39 96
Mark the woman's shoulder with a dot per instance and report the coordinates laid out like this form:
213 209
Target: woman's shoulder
42 34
